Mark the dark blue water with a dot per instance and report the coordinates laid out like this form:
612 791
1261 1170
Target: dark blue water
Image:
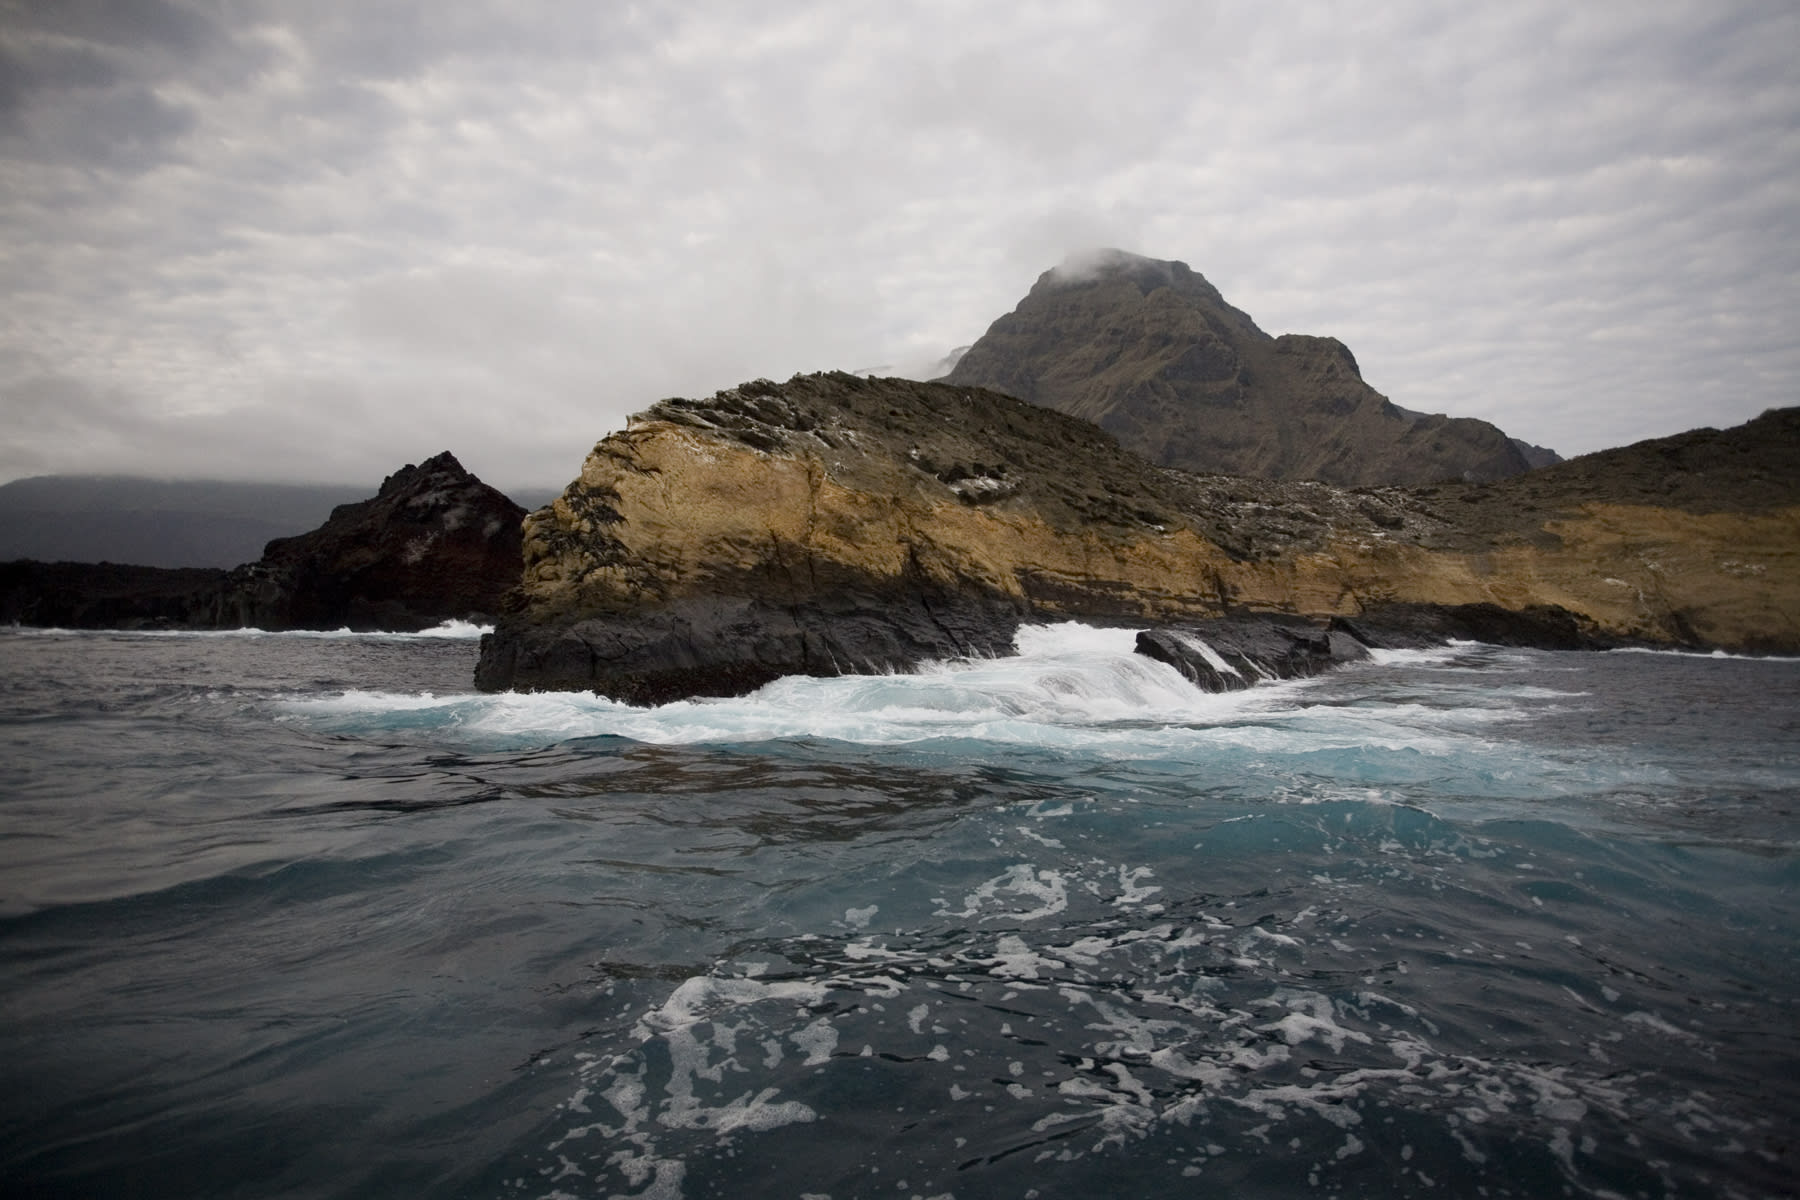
302 916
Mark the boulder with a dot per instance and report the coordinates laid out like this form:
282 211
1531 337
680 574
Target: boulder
1238 652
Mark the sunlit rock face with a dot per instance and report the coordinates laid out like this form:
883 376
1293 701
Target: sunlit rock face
839 524
1152 353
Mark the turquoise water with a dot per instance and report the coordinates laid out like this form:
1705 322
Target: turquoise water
303 915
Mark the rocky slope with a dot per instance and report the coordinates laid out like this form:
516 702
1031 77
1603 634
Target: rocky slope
1152 353
434 544
836 523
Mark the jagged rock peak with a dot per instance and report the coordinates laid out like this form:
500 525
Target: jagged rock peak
434 544
443 464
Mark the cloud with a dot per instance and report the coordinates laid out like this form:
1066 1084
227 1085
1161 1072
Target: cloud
269 238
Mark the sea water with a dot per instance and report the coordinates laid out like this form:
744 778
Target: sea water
303 915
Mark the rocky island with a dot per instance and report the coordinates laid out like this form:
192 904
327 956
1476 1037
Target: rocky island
838 524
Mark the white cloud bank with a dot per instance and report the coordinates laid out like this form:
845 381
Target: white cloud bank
316 241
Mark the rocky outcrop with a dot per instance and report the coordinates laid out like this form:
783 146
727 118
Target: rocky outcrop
1152 353
1234 653
836 523
434 544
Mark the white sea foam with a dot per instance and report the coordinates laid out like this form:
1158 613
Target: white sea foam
1032 1013
1072 688
1070 685
1718 654
1429 656
1199 646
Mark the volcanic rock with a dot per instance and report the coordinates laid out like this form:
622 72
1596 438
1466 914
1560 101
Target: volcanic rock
69 595
1152 353
839 524
434 544
1234 653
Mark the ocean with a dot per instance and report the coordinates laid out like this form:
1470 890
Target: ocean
304 915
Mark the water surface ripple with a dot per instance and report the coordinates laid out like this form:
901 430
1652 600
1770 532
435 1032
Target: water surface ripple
305 916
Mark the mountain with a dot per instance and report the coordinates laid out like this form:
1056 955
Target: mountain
1537 456
837 524
1152 353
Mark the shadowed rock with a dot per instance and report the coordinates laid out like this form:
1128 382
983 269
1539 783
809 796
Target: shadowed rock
1234 653
434 544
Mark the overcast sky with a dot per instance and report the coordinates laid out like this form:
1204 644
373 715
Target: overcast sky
316 240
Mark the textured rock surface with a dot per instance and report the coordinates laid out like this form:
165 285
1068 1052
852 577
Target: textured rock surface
1234 653
434 544
835 523
1151 352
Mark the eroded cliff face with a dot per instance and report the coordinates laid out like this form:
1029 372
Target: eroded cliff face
835 523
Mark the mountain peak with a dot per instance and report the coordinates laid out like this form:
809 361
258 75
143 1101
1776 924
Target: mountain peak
1151 352
1109 264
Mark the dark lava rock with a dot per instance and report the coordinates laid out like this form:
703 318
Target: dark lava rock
1152 353
435 544
68 595
732 645
1237 652
1420 626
